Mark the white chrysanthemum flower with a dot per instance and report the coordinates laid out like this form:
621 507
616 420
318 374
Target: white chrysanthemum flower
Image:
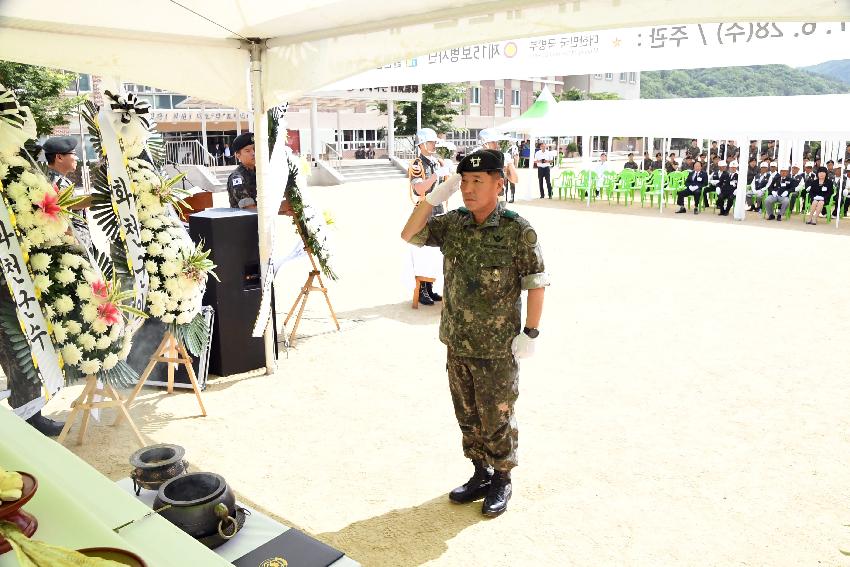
25 219
127 346
116 329
110 361
146 235
36 236
17 161
169 268
49 312
144 216
72 354
89 312
70 240
154 249
17 190
156 309
63 304
84 291
65 276
54 229
90 366
90 275
154 282
40 262
146 199
172 286
154 223
4 170
167 318
184 318
86 341
73 327
37 194
59 333
163 237
103 342
171 252
157 296
71 260
23 205
29 178
42 282
151 266
99 326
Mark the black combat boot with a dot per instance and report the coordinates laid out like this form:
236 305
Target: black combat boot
476 487
46 426
424 297
499 494
429 287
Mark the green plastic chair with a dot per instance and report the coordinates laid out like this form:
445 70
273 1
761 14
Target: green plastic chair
565 184
609 180
625 185
586 184
653 189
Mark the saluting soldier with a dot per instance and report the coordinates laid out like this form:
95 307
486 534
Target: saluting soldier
492 254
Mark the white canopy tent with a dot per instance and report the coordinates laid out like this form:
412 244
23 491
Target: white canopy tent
222 50
719 118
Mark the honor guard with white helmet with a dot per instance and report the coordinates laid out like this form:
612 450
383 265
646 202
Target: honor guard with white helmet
424 173
491 139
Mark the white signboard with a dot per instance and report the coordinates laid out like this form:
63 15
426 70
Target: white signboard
629 49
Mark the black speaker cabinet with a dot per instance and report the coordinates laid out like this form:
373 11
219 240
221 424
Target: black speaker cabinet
231 235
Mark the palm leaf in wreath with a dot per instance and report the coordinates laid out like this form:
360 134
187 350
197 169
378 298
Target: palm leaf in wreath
101 208
20 347
122 375
104 262
194 334
156 151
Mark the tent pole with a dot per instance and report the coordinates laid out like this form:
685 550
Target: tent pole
585 158
664 152
840 183
204 131
740 211
261 150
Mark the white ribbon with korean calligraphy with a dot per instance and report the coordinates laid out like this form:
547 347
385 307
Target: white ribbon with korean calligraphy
125 204
28 307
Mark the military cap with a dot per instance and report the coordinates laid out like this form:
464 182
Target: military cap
764 164
721 163
242 140
810 164
60 145
482 160
733 163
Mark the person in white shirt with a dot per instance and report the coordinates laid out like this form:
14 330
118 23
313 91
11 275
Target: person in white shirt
543 161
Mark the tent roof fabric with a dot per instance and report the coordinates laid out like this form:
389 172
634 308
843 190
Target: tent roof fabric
196 47
811 117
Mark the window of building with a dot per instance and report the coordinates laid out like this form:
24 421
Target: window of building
475 95
624 77
633 78
515 97
458 99
609 76
598 76
500 97
162 101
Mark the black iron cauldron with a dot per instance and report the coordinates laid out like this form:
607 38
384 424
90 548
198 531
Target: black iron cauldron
201 504
156 464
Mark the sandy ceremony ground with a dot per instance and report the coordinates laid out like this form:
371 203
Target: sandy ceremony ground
687 406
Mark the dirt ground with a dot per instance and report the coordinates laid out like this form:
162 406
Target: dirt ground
687 405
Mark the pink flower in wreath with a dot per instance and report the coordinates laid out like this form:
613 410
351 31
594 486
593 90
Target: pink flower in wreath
49 206
108 313
100 289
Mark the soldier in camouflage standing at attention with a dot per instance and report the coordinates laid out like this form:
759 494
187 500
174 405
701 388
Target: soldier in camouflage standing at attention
491 255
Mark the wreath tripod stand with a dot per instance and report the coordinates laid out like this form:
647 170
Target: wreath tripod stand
308 287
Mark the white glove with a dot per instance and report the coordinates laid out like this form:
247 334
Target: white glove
522 346
444 190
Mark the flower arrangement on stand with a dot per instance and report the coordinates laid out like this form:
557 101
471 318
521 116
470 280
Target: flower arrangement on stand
177 268
84 313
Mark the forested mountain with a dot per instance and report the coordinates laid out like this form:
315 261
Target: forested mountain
836 69
763 80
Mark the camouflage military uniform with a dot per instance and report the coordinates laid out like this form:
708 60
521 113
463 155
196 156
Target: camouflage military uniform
242 187
486 267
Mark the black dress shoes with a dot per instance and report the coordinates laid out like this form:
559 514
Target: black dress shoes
476 487
424 297
429 287
499 494
45 425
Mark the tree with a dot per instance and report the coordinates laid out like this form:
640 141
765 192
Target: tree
41 89
437 110
578 94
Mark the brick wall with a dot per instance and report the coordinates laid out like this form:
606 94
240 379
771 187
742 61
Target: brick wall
488 98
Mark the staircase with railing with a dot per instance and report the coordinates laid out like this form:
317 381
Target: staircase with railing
188 152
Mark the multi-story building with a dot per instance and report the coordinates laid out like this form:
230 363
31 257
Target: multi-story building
185 122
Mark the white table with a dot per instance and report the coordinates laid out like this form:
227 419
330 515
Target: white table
258 529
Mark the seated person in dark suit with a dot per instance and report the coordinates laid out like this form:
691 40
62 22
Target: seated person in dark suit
780 193
631 164
647 162
694 185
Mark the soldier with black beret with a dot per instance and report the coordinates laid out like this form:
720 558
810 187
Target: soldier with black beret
242 183
61 155
491 255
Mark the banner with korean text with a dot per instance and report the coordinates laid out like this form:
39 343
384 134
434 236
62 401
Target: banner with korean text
605 52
